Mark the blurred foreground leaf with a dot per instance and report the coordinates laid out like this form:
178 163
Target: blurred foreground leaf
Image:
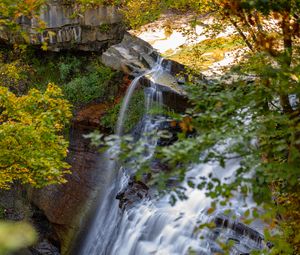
15 236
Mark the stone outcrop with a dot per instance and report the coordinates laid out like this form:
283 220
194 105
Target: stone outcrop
134 57
67 205
94 30
134 192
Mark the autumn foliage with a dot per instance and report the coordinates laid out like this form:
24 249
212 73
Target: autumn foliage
32 145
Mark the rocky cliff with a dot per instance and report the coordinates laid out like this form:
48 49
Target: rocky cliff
94 30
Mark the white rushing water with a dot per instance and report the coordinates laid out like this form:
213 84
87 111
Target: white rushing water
156 70
154 226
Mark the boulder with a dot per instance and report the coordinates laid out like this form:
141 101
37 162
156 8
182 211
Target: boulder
132 56
133 193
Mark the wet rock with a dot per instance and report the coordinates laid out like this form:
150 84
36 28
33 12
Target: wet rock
172 129
157 166
167 130
166 82
44 248
239 228
174 67
64 205
245 238
173 96
133 193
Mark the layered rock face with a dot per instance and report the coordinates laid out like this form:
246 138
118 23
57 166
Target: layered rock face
95 30
133 56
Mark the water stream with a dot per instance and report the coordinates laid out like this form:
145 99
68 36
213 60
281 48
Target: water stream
156 71
154 226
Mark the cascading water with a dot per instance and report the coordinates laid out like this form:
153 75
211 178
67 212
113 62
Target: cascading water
156 71
105 225
156 227
153 226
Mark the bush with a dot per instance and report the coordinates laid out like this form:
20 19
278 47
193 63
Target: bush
89 87
82 78
68 66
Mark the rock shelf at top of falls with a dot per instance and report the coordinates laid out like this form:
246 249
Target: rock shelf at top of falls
133 56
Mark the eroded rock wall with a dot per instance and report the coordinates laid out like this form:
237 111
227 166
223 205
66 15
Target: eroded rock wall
94 30
65 205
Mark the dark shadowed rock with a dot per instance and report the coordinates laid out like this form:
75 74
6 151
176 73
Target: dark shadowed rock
238 228
243 236
16 207
44 248
133 193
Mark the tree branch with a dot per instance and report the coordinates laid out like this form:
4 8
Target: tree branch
241 33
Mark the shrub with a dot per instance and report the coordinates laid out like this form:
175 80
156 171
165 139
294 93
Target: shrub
89 87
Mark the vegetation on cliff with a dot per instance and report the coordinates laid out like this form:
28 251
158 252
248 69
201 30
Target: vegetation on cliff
35 115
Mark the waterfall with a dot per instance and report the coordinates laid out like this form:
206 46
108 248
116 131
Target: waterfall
154 226
156 70
107 218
